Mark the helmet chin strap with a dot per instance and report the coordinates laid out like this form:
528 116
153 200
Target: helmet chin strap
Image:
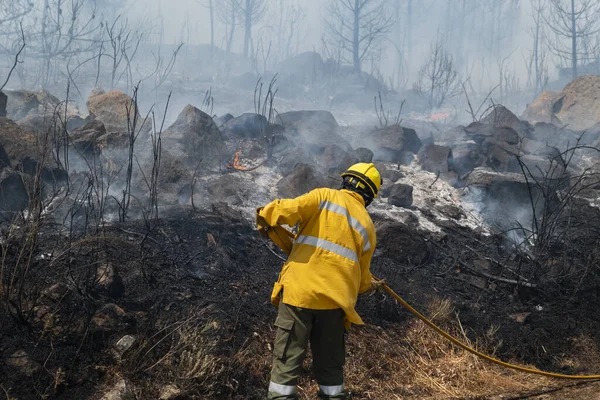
368 199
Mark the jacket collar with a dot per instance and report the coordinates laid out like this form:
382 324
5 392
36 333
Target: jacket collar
354 195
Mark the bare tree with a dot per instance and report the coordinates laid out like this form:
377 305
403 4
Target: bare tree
227 13
574 22
251 12
438 78
65 28
359 26
537 70
14 10
211 9
290 18
123 44
16 62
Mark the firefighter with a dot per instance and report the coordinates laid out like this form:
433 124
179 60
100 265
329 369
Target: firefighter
327 268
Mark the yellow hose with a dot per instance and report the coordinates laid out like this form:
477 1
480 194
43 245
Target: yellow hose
281 233
472 350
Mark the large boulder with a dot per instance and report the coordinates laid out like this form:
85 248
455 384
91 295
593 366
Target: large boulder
13 192
41 126
111 109
487 178
400 195
22 103
304 179
499 153
91 138
247 126
578 107
389 175
394 143
20 146
575 107
502 197
465 157
541 109
194 135
364 154
25 152
502 117
317 129
222 119
553 135
292 157
478 132
434 158
335 160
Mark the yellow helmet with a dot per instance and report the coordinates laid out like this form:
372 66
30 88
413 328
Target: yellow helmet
365 177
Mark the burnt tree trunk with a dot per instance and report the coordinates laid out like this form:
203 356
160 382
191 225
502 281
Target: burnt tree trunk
355 37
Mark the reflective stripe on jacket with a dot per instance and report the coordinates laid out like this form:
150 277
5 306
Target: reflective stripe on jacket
330 260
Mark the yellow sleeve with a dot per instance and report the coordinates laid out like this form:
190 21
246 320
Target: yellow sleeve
365 269
291 211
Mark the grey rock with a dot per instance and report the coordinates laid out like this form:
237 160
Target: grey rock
400 195
316 129
434 158
223 119
13 192
195 135
247 126
304 179
364 154
395 144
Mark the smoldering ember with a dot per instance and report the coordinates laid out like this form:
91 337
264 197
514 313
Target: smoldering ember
139 138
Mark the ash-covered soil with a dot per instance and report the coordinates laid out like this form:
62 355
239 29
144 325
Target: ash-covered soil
192 292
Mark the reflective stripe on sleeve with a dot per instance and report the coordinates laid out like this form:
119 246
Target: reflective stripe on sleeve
329 246
336 208
332 390
285 390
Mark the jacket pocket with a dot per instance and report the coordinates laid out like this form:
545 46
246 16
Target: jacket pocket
282 339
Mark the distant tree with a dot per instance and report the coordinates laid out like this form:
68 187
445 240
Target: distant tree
358 26
290 18
122 45
227 13
438 78
251 12
537 70
576 25
210 5
14 10
61 30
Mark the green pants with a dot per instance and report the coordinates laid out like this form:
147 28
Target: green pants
296 327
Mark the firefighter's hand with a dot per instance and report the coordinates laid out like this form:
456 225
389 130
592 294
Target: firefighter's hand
263 231
261 224
377 285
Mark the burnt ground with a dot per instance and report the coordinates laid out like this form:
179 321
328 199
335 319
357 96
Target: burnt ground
195 295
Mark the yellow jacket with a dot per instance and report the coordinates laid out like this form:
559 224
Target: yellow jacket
329 264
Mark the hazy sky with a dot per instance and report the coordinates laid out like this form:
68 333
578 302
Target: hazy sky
175 13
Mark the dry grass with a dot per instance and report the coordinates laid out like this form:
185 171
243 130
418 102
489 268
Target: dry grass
417 363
